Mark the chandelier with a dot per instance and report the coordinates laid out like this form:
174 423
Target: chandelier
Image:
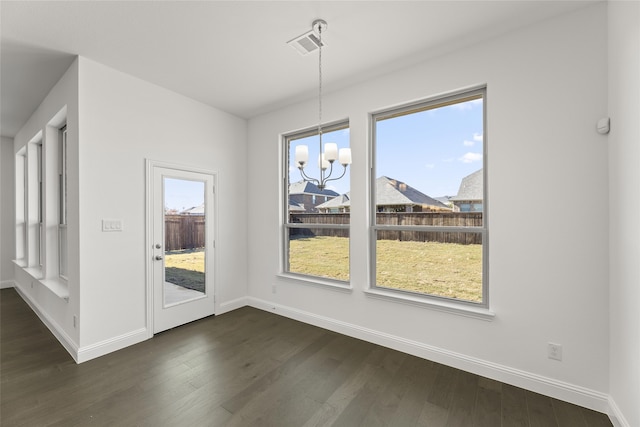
331 153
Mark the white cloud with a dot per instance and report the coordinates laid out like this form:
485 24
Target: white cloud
430 166
471 157
478 137
467 105
468 143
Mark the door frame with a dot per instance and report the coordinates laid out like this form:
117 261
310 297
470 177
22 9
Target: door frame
149 240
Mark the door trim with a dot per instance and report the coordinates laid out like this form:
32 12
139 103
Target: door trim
149 241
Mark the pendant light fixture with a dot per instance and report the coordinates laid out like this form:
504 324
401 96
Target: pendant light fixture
331 153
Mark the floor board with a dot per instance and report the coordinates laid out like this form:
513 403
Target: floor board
251 368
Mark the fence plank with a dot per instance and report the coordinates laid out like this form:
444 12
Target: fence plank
438 219
184 232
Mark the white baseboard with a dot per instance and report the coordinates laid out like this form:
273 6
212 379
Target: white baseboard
616 416
548 386
235 304
112 344
53 326
6 284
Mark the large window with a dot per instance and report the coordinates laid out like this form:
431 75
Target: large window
316 221
428 201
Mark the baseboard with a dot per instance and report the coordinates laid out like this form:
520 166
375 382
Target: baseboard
616 416
550 387
235 304
6 284
112 344
51 324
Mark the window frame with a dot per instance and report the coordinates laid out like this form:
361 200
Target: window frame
287 226
438 101
62 205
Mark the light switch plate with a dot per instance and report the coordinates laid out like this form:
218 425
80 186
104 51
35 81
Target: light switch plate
111 225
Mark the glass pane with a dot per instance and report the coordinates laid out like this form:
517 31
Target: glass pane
184 235
306 197
431 159
444 264
319 252
62 252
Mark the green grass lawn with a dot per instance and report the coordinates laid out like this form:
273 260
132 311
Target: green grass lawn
185 268
444 269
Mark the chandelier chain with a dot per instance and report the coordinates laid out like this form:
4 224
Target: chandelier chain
320 86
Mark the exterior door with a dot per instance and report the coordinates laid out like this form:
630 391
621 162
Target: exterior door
181 253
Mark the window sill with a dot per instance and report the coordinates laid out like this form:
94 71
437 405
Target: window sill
446 306
56 285
20 263
316 281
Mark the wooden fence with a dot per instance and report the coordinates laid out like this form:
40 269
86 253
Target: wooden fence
440 219
183 232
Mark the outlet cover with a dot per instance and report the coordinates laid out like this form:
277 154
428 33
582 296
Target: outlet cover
554 351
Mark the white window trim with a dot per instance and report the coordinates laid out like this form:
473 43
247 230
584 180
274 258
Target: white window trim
462 307
286 226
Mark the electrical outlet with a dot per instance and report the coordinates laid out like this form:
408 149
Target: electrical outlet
554 351
274 289
75 321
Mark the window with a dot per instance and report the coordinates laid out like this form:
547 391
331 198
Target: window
428 203
22 219
62 203
316 240
40 205
34 205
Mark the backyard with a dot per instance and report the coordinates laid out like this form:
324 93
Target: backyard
185 268
444 269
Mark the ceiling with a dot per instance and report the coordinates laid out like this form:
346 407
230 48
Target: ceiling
233 55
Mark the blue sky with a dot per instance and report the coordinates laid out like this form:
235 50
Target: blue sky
182 194
431 150
434 149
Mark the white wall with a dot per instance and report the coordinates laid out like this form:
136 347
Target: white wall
624 173
548 223
56 312
124 121
7 214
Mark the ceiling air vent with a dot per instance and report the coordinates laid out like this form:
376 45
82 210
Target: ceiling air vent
306 43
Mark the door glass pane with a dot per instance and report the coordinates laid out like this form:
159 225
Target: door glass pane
184 240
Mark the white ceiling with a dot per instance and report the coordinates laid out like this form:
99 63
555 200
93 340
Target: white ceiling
233 54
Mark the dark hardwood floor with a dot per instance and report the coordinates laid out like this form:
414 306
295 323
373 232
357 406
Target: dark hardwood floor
251 368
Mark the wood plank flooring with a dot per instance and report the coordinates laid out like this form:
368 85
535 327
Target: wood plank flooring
251 368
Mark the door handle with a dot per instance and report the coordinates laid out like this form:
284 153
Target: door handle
158 258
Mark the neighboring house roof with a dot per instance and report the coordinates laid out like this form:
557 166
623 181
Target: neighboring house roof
337 202
196 210
444 199
295 207
470 187
302 187
389 192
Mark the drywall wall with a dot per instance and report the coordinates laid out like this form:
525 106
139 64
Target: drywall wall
57 313
548 219
7 214
125 121
624 187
